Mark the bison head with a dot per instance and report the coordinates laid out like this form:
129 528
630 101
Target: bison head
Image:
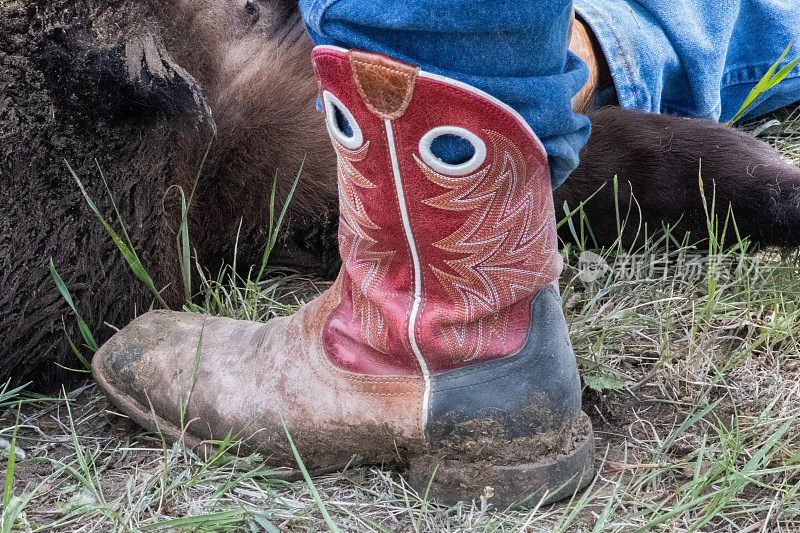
141 90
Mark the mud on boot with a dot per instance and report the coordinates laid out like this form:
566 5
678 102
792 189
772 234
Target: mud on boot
513 424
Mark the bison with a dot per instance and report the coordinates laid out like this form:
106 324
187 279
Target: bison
141 90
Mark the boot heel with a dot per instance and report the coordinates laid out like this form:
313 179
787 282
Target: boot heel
512 473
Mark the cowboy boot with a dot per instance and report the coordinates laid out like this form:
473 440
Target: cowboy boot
442 345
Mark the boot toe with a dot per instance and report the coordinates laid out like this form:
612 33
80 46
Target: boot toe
137 367
127 359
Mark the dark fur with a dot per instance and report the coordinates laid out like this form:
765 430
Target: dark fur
143 87
660 158
98 80
51 111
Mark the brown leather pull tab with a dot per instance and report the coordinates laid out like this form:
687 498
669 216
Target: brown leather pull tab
385 84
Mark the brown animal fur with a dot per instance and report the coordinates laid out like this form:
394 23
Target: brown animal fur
258 80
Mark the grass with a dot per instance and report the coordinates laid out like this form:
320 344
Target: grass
692 383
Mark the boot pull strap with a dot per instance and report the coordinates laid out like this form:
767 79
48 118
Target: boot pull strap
385 84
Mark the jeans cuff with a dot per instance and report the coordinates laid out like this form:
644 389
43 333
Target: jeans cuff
620 58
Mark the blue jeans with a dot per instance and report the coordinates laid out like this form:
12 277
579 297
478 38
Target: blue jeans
695 58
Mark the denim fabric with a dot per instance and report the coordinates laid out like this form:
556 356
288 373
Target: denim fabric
696 58
514 50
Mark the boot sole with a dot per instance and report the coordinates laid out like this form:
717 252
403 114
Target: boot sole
446 481
144 417
551 478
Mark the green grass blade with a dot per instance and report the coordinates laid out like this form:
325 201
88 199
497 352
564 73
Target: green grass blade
286 202
268 526
127 251
13 511
569 214
88 338
272 238
779 77
223 520
761 86
184 250
184 253
767 82
184 404
87 365
9 397
311 487
114 204
8 488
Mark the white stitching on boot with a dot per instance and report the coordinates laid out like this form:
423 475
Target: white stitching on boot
417 272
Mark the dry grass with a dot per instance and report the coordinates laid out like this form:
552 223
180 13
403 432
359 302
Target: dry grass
693 389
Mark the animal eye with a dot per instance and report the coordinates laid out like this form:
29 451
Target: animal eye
251 10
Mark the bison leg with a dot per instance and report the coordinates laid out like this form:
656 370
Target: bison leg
658 160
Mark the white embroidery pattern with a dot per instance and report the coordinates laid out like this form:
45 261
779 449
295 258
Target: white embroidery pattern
504 252
366 267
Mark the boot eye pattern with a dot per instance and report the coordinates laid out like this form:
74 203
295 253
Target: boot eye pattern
505 250
436 162
342 126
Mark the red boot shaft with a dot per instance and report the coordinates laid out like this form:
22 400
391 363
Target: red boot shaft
440 261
